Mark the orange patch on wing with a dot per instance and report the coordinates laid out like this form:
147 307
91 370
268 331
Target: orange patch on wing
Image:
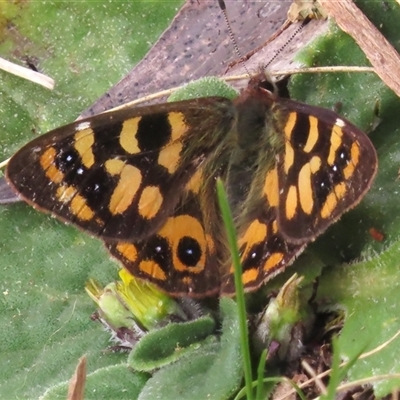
66 193
150 202
332 199
47 160
340 190
187 281
195 181
305 189
152 269
288 129
249 276
271 189
80 209
126 189
291 202
169 156
185 226
128 250
348 171
83 144
313 134
255 233
273 261
336 141
127 137
178 125
274 226
114 166
210 244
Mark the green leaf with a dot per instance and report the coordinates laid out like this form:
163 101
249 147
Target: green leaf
213 371
168 344
205 87
227 219
339 373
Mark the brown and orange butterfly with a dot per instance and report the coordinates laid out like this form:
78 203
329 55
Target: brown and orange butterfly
143 180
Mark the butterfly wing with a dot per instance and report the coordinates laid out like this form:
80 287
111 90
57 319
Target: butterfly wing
120 175
180 258
327 167
264 253
297 170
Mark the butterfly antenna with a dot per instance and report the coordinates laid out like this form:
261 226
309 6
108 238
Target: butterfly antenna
222 6
294 34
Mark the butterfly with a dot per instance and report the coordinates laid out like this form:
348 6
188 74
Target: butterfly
143 179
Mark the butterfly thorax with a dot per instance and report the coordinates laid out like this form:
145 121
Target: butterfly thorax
258 145
258 129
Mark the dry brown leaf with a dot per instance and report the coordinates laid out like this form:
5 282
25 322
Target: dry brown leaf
77 383
381 54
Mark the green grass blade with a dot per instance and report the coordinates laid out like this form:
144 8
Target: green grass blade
240 300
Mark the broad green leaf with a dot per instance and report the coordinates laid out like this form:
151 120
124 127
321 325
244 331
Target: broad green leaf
168 344
213 371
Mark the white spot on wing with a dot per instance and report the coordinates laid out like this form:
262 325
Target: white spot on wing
340 123
82 125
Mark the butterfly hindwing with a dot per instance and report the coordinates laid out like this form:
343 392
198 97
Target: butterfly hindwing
181 257
264 252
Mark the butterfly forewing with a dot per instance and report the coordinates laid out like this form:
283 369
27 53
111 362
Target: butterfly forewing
327 167
120 174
